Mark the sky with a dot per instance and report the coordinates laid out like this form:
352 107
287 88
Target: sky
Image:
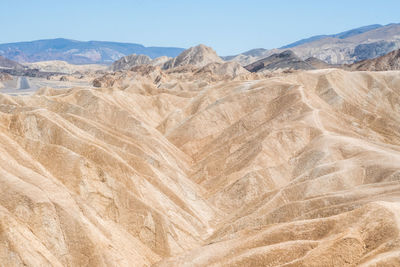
229 26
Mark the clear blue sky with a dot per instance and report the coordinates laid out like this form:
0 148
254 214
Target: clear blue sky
229 26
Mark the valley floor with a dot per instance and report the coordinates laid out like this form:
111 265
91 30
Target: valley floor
21 85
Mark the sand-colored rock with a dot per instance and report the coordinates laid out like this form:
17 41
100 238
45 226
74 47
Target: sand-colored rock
127 62
159 61
5 77
227 69
193 167
198 56
64 67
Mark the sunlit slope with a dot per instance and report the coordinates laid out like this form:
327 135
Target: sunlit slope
203 166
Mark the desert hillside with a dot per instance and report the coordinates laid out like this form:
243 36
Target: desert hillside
347 47
203 165
284 60
390 61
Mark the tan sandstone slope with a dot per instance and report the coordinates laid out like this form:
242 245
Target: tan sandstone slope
203 166
130 61
198 56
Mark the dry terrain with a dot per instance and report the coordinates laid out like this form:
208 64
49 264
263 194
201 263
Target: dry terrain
65 67
342 48
21 85
205 165
390 61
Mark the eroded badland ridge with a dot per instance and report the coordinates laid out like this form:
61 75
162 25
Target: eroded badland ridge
203 164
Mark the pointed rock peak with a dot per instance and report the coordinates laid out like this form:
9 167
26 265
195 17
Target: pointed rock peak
201 49
198 56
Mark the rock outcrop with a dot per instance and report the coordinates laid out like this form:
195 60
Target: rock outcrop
390 61
127 62
227 69
284 60
198 56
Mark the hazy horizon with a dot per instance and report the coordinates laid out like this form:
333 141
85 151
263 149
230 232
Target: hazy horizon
230 27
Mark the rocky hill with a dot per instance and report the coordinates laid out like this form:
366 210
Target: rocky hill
226 69
194 57
390 61
342 48
198 56
127 62
284 60
77 52
319 64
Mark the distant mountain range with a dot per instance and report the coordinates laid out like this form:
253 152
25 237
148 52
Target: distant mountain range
77 52
342 48
341 35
